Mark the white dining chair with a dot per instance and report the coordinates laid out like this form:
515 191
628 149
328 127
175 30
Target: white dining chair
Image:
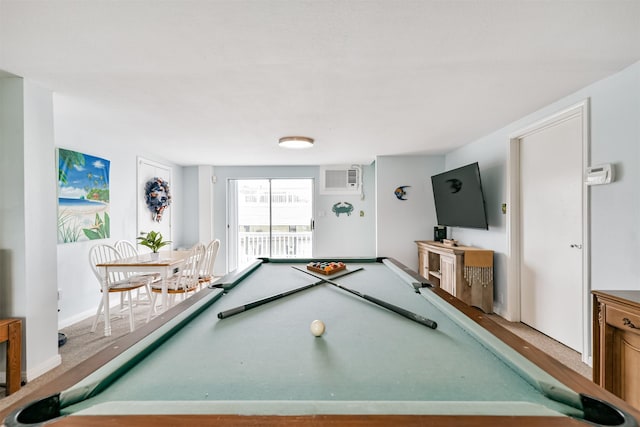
198 250
183 283
126 248
114 282
129 250
207 275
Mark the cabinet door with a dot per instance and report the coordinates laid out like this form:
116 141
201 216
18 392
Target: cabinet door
423 264
448 271
626 375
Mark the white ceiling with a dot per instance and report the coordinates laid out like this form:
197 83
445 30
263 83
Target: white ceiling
218 82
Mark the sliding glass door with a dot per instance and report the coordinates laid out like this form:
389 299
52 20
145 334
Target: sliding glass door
270 218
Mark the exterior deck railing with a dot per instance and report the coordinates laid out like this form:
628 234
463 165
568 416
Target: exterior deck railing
284 245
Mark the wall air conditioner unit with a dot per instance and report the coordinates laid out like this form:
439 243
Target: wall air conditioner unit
340 180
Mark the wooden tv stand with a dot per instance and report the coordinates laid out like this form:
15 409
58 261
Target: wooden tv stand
463 271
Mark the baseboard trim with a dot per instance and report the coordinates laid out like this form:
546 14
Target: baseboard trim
63 323
41 369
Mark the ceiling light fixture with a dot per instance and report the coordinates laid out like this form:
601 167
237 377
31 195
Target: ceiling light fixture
295 142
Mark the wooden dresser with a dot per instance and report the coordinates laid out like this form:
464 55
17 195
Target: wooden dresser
616 343
463 271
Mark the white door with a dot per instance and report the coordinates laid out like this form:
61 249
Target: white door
147 221
551 270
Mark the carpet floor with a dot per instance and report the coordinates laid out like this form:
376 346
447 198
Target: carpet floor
565 355
81 344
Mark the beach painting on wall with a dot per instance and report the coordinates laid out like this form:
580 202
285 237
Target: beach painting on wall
83 197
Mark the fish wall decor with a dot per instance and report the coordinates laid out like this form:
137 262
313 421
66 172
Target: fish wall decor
400 192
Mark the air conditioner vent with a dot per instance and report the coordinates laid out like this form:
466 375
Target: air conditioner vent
340 180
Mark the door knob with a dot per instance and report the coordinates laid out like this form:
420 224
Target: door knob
573 245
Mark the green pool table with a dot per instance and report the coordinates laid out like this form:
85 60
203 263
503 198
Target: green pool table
372 366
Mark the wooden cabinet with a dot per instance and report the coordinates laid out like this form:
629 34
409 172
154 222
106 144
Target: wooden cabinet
11 333
463 271
616 343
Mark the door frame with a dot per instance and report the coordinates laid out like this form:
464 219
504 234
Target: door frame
580 109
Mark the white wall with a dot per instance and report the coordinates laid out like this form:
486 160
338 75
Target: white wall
491 155
206 216
347 235
12 218
79 289
614 208
198 189
41 231
401 223
192 215
335 236
28 220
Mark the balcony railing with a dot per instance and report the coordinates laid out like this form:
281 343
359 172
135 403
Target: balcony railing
284 245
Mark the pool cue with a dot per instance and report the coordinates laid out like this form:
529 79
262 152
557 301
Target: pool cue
249 306
401 311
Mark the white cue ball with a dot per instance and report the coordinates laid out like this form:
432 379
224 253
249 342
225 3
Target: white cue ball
317 328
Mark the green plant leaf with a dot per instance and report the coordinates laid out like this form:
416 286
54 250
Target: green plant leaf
107 225
153 240
91 234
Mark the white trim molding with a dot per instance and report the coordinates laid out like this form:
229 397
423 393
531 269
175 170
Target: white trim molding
513 312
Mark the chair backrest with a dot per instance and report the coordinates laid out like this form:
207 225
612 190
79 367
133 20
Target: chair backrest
101 253
188 274
198 251
209 259
126 248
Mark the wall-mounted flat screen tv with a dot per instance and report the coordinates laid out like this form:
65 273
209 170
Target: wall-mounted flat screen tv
459 198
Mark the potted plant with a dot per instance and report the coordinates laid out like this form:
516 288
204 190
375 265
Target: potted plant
153 240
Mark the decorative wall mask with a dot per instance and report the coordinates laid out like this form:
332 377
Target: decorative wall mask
157 197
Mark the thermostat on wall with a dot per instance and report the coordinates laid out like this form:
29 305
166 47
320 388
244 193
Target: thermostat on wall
600 174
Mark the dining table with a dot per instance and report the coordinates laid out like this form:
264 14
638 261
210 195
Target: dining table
163 263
